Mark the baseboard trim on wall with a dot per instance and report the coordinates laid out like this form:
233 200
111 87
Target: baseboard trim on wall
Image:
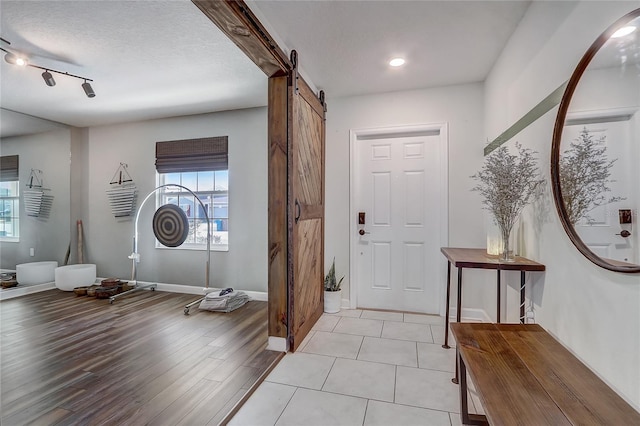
470 314
278 344
11 293
189 289
6 294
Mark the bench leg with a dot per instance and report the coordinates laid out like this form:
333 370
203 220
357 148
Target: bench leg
522 297
498 298
455 378
458 316
467 419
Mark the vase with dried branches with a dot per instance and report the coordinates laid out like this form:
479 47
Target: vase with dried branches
508 182
585 174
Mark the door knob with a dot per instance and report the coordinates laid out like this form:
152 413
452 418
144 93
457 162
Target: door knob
624 233
362 232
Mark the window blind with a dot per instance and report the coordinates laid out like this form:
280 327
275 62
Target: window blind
8 168
192 155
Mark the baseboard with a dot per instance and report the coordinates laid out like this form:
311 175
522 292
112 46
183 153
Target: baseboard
170 288
278 344
11 293
470 315
189 289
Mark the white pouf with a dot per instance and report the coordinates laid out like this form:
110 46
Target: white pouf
72 276
36 272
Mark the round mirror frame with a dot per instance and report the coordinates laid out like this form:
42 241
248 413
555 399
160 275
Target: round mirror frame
557 139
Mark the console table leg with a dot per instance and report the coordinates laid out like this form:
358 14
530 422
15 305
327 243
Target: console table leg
459 310
446 318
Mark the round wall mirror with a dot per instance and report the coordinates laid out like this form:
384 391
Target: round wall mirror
595 156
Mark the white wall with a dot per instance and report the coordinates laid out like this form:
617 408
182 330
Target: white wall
49 237
108 241
79 185
594 312
461 108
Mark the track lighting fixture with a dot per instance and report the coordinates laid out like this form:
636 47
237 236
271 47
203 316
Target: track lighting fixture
16 59
48 78
88 89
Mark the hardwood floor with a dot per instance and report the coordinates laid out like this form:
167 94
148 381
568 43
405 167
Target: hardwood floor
72 360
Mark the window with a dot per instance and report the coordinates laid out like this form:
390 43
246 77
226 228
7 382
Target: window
9 210
9 199
212 189
201 165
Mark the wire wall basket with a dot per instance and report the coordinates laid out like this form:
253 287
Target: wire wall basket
37 203
122 193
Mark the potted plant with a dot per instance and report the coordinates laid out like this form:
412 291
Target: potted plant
332 291
508 183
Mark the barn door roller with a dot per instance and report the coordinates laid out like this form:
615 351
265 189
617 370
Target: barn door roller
294 71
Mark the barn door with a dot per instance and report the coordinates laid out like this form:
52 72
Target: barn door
306 207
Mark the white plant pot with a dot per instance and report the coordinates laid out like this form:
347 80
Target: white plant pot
332 301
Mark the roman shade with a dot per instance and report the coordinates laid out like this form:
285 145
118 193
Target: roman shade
192 155
8 168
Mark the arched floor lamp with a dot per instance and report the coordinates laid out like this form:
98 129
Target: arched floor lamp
135 256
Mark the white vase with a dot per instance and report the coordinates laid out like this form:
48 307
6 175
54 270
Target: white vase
332 301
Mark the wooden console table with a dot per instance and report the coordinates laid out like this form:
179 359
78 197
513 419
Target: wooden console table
479 259
523 376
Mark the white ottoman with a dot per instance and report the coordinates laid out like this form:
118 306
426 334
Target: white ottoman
36 272
72 276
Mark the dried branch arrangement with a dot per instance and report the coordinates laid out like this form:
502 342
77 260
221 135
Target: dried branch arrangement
585 173
508 183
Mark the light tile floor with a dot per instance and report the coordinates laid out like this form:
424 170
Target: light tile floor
362 367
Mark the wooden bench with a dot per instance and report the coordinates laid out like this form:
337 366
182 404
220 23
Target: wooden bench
524 376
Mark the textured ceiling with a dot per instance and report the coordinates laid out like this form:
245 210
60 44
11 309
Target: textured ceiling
153 59
148 59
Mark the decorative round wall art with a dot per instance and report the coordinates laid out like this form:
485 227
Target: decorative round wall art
170 225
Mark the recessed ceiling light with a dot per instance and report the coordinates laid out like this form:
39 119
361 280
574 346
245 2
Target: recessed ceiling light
623 31
396 62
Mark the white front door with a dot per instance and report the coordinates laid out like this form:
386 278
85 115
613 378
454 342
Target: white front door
400 184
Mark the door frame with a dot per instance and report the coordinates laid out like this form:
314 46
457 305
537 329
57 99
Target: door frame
398 131
235 19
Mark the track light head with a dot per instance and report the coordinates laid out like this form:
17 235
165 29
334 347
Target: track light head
14 59
48 78
88 89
